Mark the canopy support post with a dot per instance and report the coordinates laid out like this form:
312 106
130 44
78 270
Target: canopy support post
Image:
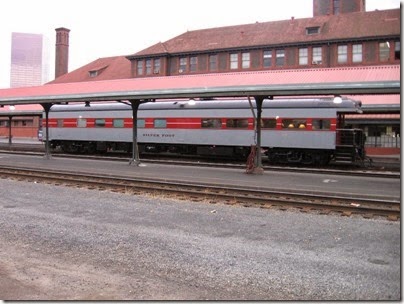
135 103
135 149
258 168
9 131
47 107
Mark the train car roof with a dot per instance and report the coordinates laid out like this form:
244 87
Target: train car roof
345 105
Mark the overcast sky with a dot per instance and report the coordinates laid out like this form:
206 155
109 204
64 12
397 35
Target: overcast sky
103 28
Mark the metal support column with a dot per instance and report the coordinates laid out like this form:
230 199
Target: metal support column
46 107
135 149
258 169
9 131
135 103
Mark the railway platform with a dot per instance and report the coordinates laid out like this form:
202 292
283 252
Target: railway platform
300 182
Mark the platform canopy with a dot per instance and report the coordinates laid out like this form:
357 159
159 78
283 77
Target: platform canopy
299 82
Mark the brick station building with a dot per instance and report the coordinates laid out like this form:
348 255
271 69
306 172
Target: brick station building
341 34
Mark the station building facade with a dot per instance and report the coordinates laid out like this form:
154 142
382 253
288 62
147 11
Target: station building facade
351 39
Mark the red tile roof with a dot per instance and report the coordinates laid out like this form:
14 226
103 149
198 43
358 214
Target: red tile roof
108 68
344 26
283 82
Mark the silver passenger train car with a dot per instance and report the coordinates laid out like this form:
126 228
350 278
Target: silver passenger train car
308 131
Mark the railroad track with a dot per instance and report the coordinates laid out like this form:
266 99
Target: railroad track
340 170
367 207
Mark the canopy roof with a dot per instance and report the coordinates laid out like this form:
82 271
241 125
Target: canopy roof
323 81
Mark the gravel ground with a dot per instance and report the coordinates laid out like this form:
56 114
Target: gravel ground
64 243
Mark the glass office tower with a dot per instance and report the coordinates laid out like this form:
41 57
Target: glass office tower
28 62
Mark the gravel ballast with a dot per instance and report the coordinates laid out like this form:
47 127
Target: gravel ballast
66 243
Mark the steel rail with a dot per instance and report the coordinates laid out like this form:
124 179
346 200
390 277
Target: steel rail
197 162
248 197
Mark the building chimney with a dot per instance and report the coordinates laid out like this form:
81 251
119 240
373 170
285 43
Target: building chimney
62 51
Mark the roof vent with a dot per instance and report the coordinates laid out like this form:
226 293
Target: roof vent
312 30
96 71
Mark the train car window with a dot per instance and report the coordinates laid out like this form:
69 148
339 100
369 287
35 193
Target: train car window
81 123
211 123
99 123
321 124
59 123
268 123
141 123
118 123
294 124
160 123
238 123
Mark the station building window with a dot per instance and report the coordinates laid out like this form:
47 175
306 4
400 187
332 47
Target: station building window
156 69
303 56
397 50
183 65
280 57
233 61
245 60
336 7
384 51
342 54
317 55
267 58
140 67
312 30
237 123
148 67
211 123
193 63
213 63
357 53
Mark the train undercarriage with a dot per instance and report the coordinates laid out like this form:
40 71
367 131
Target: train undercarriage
343 154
